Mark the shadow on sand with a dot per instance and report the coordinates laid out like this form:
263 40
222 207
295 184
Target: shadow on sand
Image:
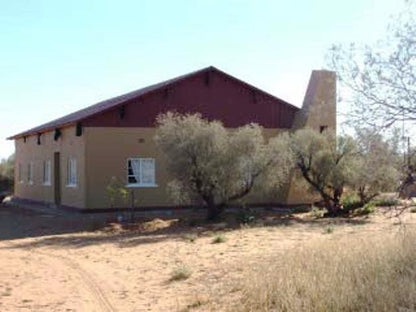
47 228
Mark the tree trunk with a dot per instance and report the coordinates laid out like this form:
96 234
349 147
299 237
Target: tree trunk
337 199
213 210
365 196
333 204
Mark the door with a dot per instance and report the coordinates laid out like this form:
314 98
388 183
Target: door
57 177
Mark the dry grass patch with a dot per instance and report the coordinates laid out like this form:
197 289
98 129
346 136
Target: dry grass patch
182 272
218 239
373 273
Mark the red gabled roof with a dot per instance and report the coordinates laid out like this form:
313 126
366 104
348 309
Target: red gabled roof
112 103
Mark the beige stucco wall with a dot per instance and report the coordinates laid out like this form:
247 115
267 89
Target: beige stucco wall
69 146
107 151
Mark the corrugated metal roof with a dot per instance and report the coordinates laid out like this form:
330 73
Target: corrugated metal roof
102 106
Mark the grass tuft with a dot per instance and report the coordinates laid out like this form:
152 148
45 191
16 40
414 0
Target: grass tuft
367 209
329 229
190 237
182 272
220 238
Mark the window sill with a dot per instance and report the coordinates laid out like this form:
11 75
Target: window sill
71 185
47 184
141 185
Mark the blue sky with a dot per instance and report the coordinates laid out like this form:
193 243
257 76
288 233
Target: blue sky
60 56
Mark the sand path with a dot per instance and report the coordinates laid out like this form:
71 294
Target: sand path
34 280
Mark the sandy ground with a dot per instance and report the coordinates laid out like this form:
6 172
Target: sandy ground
58 262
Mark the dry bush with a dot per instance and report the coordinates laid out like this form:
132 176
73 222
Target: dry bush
350 274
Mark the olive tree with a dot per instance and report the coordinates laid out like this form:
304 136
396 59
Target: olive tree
328 164
378 165
215 165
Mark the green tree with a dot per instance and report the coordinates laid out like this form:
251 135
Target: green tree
214 165
378 165
328 164
7 173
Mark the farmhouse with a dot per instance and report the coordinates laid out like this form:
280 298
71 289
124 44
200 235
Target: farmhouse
70 161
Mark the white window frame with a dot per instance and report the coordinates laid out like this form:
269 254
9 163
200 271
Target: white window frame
140 184
71 173
30 173
47 172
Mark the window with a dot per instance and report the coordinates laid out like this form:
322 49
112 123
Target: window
20 173
71 177
322 128
30 173
47 172
141 172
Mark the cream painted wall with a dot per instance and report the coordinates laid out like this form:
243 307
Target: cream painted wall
107 151
69 146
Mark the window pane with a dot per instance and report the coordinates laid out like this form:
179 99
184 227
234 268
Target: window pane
72 172
132 180
47 172
148 171
135 170
30 173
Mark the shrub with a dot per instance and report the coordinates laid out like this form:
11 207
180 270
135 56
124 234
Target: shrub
371 273
367 209
220 238
117 193
350 202
182 272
